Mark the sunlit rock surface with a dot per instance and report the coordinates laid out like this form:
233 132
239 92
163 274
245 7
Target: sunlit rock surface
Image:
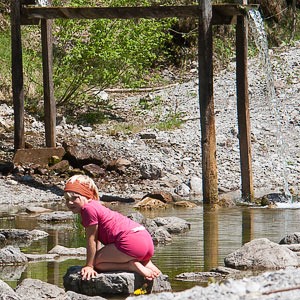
112 283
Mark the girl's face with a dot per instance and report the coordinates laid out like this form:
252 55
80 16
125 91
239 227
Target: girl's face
75 202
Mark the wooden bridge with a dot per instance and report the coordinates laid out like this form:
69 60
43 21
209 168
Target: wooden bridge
25 12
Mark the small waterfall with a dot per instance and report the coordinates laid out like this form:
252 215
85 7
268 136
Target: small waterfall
256 28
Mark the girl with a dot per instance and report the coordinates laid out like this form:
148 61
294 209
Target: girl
128 246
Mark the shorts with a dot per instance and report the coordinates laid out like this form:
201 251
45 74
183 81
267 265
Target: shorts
137 244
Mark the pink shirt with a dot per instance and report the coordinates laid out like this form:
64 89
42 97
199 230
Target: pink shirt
111 224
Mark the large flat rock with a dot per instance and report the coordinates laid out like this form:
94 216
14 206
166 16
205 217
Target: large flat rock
113 283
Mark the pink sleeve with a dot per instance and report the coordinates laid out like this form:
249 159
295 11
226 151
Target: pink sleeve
89 216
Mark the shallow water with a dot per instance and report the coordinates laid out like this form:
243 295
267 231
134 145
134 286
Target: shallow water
213 235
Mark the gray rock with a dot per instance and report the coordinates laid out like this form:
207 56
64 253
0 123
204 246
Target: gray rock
292 238
30 289
7 293
39 257
150 171
56 217
12 272
12 256
64 251
112 283
198 276
173 224
161 236
74 296
261 254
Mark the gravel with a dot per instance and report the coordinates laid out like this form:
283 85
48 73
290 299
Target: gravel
275 129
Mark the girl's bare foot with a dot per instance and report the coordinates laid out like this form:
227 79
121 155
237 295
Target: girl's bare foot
146 272
152 267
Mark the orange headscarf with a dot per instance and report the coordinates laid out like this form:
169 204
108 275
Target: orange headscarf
79 188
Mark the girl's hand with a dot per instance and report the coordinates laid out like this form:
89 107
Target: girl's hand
88 272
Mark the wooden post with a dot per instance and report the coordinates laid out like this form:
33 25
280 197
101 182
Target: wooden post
17 74
49 102
243 106
207 114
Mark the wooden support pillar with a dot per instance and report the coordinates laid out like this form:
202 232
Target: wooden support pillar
207 114
17 74
49 101
243 106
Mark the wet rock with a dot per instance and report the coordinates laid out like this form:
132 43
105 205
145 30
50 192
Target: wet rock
160 195
161 236
20 237
261 254
56 217
225 271
173 224
64 251
36 289
12 256
41 257
7 292
150 203
74 296
11 272
37 209
112 198
292 238
186 204
198 276
112 283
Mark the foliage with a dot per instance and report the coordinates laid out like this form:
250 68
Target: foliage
102 53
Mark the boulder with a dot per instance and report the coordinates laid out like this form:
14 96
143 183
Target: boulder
291 238
36 289
260 254
56 217
173 224
150 203
64 251
7 292
12 256
112 283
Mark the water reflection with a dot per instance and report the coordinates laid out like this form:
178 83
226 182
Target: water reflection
213 235
210 238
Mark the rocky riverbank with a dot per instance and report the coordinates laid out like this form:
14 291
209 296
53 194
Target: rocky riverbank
173 158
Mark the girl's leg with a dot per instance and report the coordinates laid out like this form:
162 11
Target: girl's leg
109 258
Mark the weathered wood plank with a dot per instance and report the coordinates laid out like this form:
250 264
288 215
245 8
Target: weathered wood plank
220 11
243 107
49 102
207 114
17 75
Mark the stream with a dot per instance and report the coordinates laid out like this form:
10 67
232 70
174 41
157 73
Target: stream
213 235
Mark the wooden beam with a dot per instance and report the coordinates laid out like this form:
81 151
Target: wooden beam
225 12
17 75
49 102
243 107
207 114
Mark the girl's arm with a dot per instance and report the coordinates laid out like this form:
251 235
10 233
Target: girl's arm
88 271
